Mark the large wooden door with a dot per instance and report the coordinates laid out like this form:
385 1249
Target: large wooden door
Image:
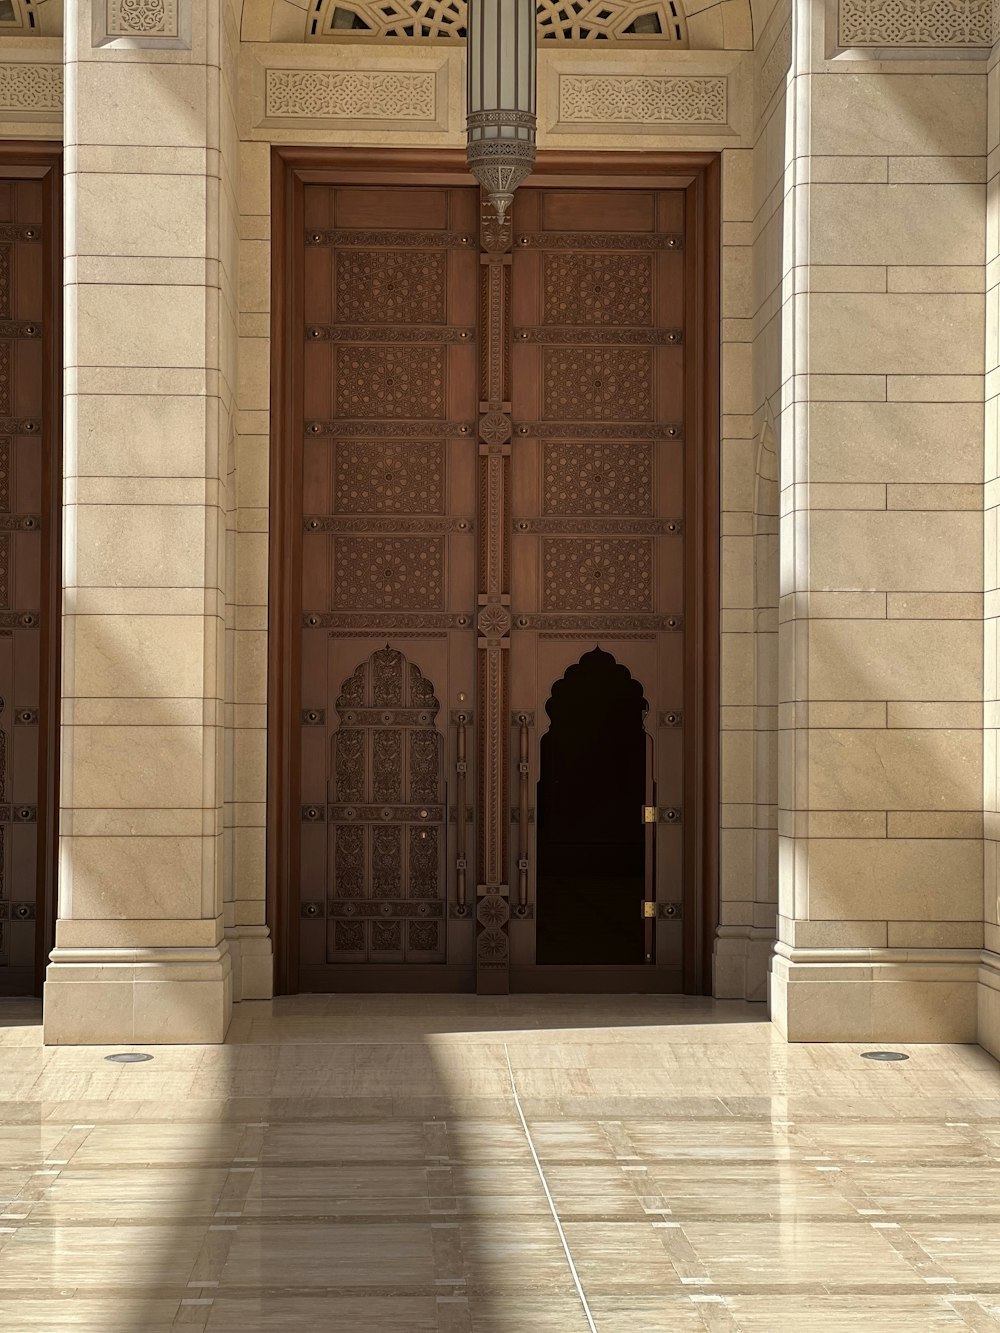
30 246
390 282
598 537
497 495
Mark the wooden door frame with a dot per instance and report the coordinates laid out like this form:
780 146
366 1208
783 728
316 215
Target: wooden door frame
43 162
699 175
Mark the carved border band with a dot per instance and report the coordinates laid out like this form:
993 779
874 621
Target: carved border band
935 24
645 101
411 98
31 92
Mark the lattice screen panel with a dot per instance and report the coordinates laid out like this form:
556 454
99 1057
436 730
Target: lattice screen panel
639 22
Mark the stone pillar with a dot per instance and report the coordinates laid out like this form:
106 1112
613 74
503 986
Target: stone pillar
140 951
881 449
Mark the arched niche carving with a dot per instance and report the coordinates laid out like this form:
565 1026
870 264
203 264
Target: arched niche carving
725 25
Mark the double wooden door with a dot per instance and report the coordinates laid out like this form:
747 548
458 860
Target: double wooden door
491 664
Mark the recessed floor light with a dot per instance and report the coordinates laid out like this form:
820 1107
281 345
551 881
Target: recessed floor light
883 1055
128 1058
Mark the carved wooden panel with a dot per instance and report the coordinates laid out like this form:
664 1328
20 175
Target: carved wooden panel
387 818
597 478
597 384
391 286
390 381
389 477
597 288
598 472
387 525
581 574
395 573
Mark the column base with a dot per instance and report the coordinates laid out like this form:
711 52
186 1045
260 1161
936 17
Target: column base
875 995
130 997
989 1002
253 962
741 962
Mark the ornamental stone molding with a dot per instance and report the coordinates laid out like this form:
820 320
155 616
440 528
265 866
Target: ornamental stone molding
628 22
949 25
163 24
355 95
650 101
31 92
772 70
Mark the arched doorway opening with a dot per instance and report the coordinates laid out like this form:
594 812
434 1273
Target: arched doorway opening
591 845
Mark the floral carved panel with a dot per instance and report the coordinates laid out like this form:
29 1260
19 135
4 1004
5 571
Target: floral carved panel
391 286
597 289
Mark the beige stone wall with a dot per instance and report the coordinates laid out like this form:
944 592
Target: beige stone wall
989 977
881 449
752 290
150 366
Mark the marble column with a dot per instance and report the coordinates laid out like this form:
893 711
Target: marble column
881 469
151 244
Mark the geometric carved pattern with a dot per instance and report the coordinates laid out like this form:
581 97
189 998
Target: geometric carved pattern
649 22
646 99
4 571
597 478
589 574
5 257
388 573
5 449
318 94
31 88
597 289
597 384
5 398
388 478
387 382
142 18
391 287
387 837
921 23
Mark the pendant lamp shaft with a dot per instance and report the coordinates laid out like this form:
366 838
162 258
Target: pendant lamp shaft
501 67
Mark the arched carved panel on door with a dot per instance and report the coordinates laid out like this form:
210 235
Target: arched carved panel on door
387 893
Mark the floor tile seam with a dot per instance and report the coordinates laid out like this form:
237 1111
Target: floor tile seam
32 1222
551 1202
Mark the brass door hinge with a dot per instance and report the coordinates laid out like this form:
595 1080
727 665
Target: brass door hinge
649 814
648 910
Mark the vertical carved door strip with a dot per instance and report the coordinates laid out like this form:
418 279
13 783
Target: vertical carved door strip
30 297
494 620
494 450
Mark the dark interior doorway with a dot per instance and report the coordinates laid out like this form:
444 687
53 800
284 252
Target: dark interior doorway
590 839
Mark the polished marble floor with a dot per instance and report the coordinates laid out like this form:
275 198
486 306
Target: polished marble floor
520 1165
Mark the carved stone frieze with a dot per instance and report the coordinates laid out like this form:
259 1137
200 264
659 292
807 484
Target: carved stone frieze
30 91
164 24
643 99
326 94
915 23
